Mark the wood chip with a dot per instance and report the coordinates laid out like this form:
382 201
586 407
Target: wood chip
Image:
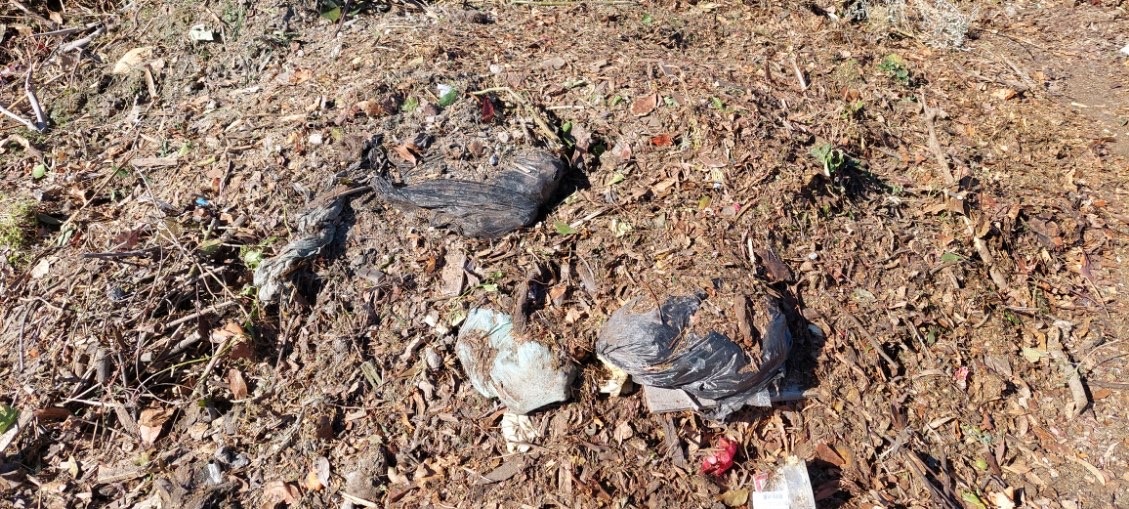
115 474
511 467
153 162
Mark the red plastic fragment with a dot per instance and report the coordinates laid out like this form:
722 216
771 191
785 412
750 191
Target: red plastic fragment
721 459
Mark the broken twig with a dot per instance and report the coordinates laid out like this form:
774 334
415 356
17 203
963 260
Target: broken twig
930 115
1060 331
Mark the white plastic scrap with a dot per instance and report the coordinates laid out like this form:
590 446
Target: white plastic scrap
521 372
519 432
201 33
619 383
789 488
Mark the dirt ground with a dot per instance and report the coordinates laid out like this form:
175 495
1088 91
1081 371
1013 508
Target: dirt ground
954 217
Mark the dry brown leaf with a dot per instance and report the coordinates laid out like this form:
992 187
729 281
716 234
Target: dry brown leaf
321 470
237 384
70 466
151 423
662 140
300 76
312 482
408 151
1005 94
378 107
643 106
229 330
133 60
52 413
825 453
370 108
1002 500
621 151
278 492
623 431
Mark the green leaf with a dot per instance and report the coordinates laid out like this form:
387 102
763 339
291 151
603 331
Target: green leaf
669 101
981 464
210 247
617 178
409 105
372 375
39 171
8 417
252 258
333 14
621 228
1033 355
973 500
449 98
566 127
951 257
490 287
563 228
716 103
864 295
648 19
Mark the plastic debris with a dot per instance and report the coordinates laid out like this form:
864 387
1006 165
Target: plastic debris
519 432
712 371
521 372
618 383
317 227
788 488
721 459
1125 50
202 33
509 200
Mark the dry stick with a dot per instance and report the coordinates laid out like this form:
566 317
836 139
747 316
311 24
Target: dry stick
873 342
81 43
344 14
799 74
40 117
29 124
1060 331
934 145
23 323
223 349
121 254
66 31
208 310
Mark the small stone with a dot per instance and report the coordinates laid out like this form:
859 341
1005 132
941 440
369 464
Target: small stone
433 359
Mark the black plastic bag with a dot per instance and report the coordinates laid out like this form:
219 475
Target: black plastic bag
656 349
498 205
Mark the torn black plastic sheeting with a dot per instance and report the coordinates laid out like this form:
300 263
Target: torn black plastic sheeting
503 203
657 350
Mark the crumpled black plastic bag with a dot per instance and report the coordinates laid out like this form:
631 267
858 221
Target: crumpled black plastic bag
503 203
655 348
